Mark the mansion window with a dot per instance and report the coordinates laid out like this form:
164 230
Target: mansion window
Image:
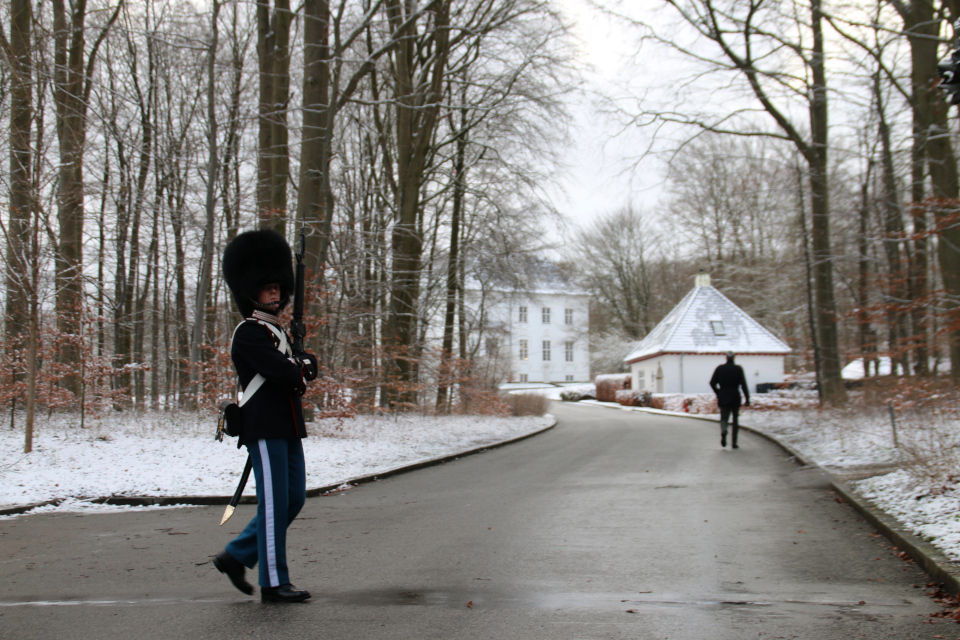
546 351
523 314
546 315
568 351
524 350
523 377
568 316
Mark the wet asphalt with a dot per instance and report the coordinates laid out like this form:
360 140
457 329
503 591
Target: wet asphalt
614 524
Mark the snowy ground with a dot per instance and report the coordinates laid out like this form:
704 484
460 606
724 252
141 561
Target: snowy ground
162 455
914 477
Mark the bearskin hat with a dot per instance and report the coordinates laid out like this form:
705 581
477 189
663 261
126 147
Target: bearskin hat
254 259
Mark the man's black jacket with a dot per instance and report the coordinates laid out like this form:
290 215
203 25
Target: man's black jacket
274 411
726 382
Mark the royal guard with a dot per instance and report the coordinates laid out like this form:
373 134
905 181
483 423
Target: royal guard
257 266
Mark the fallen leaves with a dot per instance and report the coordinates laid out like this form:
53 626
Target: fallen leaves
950 604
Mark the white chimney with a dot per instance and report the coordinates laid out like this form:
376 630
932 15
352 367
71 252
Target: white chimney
702 280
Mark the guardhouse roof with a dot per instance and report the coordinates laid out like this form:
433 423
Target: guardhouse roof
706 321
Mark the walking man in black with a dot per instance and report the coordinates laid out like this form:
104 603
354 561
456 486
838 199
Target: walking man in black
726 382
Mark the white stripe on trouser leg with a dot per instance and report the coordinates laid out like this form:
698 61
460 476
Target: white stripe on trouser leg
268 510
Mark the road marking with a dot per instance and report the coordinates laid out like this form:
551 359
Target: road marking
108 603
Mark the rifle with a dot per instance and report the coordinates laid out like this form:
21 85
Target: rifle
297 328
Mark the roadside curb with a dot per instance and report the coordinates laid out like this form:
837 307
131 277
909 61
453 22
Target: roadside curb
934 562
169 501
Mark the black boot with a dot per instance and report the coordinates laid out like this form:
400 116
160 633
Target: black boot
723 438
283 593
226 563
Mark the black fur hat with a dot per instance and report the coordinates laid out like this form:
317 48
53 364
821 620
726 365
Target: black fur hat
254 259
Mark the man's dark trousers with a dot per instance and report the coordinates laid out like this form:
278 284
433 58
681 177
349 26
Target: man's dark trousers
726 412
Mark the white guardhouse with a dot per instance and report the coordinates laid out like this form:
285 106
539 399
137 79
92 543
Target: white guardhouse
681 352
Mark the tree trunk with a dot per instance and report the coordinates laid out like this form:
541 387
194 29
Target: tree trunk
453 269
822 253
865 333
315 157
930 124
206 260
71 133
21 159
273 164
71 91
315 196
922 31
897 265
808 281
419 91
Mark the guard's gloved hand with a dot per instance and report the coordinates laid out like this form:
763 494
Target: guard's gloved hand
308 366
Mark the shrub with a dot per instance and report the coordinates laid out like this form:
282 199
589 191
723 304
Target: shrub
527 404
571 396
609 384
634 397
686 403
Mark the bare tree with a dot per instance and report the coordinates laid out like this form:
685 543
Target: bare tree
612 253
19 56
752 46
419 63
273 54
73 77
213 169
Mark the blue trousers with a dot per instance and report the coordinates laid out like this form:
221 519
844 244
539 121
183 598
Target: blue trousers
281 491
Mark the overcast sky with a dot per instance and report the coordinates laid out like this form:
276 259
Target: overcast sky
603 176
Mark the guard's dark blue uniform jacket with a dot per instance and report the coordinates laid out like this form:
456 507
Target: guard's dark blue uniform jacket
275 410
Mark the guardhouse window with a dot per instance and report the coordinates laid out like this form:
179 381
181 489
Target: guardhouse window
718 329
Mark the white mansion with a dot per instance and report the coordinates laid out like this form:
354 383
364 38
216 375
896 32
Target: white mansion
542 335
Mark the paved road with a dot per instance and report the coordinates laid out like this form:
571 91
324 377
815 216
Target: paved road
611 525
